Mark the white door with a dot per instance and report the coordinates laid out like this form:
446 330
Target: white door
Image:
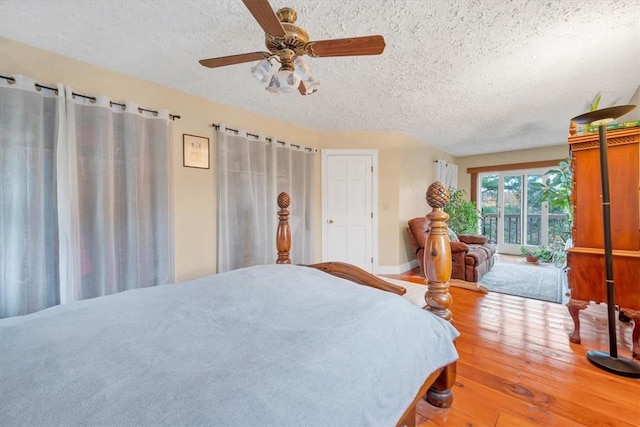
349 214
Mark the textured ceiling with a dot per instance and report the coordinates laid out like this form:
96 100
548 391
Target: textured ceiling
467 76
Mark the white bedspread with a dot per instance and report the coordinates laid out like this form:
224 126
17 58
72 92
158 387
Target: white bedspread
262 346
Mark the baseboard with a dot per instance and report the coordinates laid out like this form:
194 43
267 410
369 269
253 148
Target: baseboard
398 269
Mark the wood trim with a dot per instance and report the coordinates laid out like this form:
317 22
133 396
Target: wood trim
600 251
473 194
515 166
615 133
614 137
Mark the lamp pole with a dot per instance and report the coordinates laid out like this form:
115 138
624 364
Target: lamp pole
609 362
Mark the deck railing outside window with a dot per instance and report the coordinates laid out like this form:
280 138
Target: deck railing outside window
558 227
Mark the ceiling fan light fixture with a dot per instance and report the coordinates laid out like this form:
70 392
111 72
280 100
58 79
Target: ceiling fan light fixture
262 70
284 81
301 68
272 86
310 85
286 43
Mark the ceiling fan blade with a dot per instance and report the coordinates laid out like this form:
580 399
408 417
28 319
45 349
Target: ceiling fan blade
367 45
234 59
263 13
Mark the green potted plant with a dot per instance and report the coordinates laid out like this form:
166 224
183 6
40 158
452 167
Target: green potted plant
464 217
556 190
543 254
529 255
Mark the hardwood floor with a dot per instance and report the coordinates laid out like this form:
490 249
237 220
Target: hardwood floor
517 367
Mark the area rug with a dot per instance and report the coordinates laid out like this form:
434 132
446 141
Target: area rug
542 282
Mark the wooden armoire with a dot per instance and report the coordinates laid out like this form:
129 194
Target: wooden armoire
585 259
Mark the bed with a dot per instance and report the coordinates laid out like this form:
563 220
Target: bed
264 345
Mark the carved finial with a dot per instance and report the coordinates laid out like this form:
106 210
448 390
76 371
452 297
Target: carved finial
573 128
283 200
437 195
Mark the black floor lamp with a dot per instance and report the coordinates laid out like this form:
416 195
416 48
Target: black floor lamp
609 362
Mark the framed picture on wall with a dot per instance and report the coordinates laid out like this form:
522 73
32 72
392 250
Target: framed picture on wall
195 150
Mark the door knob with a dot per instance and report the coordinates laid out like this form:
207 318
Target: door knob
330 221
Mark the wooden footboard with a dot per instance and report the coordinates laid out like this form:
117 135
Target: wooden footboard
437 387
358 275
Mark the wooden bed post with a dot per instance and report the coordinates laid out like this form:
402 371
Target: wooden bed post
437 253
283 234
437 265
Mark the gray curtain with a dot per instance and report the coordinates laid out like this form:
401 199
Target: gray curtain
30 121
85 197
446 173
118 214
251 173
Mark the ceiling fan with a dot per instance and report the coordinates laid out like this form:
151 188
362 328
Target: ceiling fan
287 44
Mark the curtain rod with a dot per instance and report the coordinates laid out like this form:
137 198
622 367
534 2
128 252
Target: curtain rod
39 87
236 131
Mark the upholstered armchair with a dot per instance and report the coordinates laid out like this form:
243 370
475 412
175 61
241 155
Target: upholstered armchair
471 255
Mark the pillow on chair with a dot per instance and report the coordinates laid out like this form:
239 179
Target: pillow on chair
453 237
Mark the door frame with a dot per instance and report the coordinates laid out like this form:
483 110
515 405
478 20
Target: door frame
373 153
